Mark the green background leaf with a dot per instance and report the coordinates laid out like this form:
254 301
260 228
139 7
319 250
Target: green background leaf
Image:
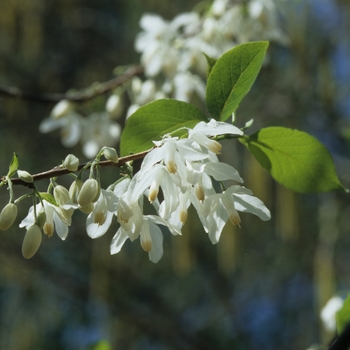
150 122
295 159
343 315
232 77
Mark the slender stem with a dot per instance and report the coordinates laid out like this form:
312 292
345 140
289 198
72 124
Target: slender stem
79 96
59 171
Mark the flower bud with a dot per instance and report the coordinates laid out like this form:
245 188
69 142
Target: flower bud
111 154
25 176
87 209
71 162
8 216
61 195
88 192
31 241
74 190
40 219
61 109
114 105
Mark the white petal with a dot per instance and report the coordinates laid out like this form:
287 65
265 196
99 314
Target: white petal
217 217
222 171
157 243
60 227
49 124
118 241
214 128
250 204
96 230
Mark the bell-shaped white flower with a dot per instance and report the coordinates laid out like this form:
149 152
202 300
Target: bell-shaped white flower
55 219
151 237
70 125
217 208
98 131
100 219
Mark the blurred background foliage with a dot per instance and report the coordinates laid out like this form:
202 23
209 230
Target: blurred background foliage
263 285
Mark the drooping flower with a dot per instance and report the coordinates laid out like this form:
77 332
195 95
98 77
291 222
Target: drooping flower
218 208
55 219
100 219
151 237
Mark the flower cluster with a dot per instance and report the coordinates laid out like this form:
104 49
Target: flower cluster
174 65
175 173
172 51
95 131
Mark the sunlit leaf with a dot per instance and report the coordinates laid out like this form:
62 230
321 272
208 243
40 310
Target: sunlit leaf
13 165
231 78
295 159
150 122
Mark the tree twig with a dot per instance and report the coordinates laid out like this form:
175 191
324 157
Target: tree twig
59 171
78 96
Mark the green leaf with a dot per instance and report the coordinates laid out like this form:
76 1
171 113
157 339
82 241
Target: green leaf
101 345
48 198
211 62
152 121
232 77
13 165
343 315
295 159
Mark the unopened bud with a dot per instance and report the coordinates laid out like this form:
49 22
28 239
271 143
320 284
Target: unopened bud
31 241
88 192
87 209
8 216
61 109
111 154
25 176
74 190
40 219
71 162
114 105
61 195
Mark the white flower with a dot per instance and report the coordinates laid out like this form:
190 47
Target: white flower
114 105
329 311
61 109
99 220
217 208
70 125
151 237
185 84
55 219
98 131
